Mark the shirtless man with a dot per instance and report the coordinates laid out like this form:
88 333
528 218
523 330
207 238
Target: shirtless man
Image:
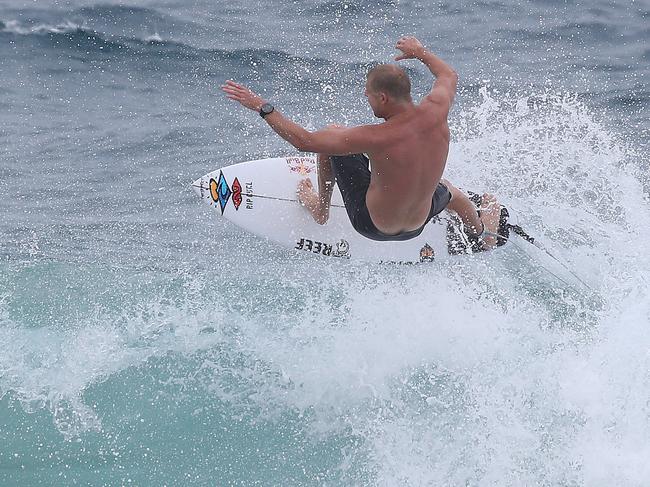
407 154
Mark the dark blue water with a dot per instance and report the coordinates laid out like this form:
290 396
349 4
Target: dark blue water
144 342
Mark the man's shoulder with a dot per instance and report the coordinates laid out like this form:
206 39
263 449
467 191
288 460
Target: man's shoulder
432 108
436 101
373 130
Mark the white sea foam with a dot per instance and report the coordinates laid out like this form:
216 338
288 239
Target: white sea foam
153 38
17 27
469 375
66 27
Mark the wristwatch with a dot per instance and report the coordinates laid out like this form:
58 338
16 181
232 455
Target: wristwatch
266 109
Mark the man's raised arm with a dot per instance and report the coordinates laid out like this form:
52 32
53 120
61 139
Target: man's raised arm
444 87
332 141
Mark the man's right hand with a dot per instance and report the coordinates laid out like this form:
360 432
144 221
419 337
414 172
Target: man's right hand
243 95
411 48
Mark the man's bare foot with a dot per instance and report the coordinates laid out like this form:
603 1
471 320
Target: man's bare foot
490 215
310 200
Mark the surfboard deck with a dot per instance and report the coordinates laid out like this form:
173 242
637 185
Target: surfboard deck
260 197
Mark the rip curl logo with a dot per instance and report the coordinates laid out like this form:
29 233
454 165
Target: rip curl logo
249 196
301 165
221 192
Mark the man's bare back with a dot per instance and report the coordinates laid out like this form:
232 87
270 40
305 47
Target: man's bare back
407 166
408 153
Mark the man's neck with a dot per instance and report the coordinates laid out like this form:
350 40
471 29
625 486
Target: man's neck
397 109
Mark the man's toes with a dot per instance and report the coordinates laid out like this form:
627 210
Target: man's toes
304 187
306 192
488 200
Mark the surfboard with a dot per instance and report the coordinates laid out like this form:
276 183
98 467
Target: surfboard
260 197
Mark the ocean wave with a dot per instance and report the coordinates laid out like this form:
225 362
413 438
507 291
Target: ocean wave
16 27
73 36
154 38
66 35
71 30
99 350
350 7
630 100
136 22
597 31
121 13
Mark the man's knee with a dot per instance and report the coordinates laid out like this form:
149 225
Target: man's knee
453 190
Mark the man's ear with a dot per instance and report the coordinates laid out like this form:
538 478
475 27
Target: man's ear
383 97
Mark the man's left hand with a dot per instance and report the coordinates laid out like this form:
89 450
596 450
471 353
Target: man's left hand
243 95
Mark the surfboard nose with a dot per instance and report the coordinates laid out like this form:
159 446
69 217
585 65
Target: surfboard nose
200 185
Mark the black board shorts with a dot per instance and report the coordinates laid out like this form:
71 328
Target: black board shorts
352 175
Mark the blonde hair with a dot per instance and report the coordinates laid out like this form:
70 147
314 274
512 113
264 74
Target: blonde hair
390 79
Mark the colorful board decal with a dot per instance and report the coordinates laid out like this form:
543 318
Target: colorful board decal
221 192
236 194
214 190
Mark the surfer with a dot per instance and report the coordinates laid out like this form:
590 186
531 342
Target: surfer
407 154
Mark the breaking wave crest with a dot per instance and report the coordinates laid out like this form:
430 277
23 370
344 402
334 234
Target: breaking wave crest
483 370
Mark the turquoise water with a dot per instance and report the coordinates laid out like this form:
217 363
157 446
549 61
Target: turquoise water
143 341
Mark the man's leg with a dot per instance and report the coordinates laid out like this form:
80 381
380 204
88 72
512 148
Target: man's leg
318 204
466 210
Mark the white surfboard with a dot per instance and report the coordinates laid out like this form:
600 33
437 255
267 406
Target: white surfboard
260 197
